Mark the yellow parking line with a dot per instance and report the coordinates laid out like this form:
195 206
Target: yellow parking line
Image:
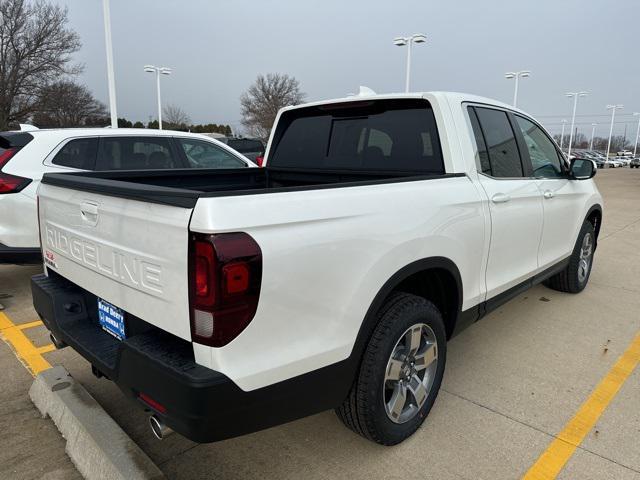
24 326
554 458
29 355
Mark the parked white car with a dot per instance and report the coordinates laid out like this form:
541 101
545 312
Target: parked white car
614 163
26 156
381 226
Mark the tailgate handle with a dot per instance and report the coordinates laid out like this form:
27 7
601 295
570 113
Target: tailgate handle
89 212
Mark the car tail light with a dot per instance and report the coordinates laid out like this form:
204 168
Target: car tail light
224 285
10 183
259 161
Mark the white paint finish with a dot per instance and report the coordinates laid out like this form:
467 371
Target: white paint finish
135 257
516 227
18 215
562 221
326 255
327 252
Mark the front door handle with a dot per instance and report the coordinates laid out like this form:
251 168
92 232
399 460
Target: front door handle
500 198
548 194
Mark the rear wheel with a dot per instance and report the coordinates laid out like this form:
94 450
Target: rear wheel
401 372
575 276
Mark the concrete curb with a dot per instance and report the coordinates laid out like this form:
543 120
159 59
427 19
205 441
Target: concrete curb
97 446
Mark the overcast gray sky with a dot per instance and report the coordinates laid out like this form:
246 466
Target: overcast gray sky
216 49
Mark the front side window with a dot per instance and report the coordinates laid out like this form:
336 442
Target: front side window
544 156
504 156
79 153
201 154
137 153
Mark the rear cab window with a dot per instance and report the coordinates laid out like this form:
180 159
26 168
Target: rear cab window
374 136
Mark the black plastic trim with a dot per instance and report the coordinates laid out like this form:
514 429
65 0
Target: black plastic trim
122 183
19 255
201 404
14 139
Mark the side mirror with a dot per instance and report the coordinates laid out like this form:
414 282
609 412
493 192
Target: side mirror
582 169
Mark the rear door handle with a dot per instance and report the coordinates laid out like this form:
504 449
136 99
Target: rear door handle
548 194
500 198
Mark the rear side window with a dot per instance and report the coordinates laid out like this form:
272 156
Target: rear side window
482 155
201 154
137 153
79 153
504 156
382 135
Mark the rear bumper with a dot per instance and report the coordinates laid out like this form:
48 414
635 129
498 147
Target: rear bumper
201 404
20 256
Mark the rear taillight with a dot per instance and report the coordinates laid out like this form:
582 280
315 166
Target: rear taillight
259 161
224 285
10 183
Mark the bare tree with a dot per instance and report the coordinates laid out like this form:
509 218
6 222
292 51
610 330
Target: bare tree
261 102
175 117
68 104
35 47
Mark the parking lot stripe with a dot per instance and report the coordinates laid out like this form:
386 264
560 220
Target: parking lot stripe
29 355
24 326
554 458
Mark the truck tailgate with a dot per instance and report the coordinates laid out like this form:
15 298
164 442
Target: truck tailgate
130 253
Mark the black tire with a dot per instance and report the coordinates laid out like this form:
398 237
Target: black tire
363 411
569 280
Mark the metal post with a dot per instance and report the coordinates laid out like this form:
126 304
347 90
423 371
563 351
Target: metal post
613 116
159 100
593 132
635 148
110 73
408 79
515 91
573 121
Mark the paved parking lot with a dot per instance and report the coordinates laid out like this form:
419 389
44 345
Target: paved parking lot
514 381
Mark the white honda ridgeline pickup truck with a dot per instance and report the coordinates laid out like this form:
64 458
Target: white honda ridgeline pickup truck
225 302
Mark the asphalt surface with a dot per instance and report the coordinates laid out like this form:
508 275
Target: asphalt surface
512 382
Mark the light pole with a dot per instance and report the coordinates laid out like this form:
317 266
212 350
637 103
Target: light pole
110 75
613 109
564 124
575 96
635 147
593 132
401 42
158 71
517 76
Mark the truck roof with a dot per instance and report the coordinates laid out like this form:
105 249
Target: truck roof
455 97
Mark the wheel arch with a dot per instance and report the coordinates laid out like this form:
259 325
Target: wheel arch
426 277
594 216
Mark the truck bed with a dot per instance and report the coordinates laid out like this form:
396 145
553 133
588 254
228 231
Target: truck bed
182 188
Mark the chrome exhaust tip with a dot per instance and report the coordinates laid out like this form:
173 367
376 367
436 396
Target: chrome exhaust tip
158 428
